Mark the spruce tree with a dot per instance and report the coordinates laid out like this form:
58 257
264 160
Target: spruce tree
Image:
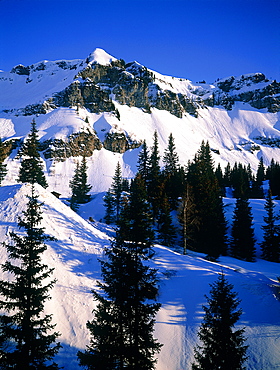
122 327
243 240
270 245
173 180
31 169
24 331
222 348
154 179
3 166
143 163
210 238
79 185
166 229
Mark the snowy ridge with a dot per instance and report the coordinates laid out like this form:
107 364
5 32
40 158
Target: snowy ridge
75 253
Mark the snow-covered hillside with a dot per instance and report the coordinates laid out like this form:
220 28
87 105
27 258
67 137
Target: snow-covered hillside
100 98
183 282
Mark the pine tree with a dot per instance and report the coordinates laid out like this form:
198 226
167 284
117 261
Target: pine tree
143 163
243 240
166 229
24 338
117 189
122 328
222 348
174 182
79 185
31 169
154 178
108 199
210 238
270 245
3 167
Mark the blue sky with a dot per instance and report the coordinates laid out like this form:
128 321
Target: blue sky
194 39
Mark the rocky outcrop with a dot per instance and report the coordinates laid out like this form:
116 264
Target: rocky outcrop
119 142
78 144
254 89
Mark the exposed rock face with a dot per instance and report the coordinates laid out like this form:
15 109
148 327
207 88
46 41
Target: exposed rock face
254 89
119 142
79 144
97 85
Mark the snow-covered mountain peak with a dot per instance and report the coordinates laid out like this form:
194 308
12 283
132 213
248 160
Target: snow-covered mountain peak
100 56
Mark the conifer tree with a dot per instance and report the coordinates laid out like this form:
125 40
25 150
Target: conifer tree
79 185
122 328
117 188
222 348
210 238
166 229
243 240
154 178
31 169
3 167
270 245
172 175
24 332
143 162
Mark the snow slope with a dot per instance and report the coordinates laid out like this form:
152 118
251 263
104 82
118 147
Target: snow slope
183 282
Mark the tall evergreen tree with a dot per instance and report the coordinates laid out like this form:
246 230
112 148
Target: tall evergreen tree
273 175
143 162
270 245
122 328
222 348
154 178
211 236
25 341
31 169
166 229
3 166
79 185
173 179
243 240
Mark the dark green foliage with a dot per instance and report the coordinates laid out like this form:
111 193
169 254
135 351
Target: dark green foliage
243 240
3 167
271 239
79 185
211 236
24 338
173 174
113 197
122 328
143 163
260 172
31 169
166 229
240 181
109 208
222 348
154 179
273 175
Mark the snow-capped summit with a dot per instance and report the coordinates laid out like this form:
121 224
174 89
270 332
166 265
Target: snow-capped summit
100 56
